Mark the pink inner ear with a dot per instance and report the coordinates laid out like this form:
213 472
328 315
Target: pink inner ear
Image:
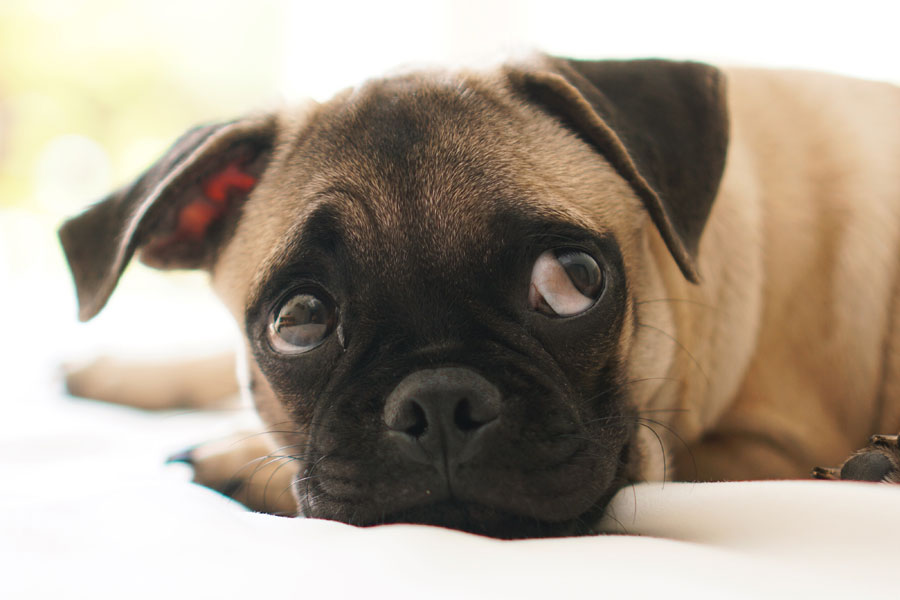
196 217
216 188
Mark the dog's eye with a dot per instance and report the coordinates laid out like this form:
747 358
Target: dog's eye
301 323
564 282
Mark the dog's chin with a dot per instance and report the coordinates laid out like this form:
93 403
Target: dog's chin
491 522
471 517
478 511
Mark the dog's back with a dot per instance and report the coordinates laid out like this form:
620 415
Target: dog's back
801 355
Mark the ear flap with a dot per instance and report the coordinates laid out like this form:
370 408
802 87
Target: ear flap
177 213
662 125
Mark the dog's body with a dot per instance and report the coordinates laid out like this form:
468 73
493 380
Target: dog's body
794 327
433 381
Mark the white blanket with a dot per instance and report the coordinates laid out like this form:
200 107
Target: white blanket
89 510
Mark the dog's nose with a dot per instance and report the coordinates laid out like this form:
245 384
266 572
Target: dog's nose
440 416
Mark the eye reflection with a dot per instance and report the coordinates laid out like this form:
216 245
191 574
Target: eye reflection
565 282
301 323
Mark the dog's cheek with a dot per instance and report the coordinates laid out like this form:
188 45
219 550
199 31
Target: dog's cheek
281 422
597 369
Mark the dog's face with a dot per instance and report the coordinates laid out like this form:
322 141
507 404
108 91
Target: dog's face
435 335
436 275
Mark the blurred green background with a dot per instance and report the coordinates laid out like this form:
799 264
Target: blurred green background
91 91
74 75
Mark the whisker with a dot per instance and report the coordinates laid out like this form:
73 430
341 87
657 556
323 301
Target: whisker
680 345
254 434
235 482
612 516
662 410
287 489
681 301
615 389
644 422
662 449
265 496
310 473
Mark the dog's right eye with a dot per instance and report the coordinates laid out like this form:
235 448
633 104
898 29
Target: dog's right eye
565 282
301 322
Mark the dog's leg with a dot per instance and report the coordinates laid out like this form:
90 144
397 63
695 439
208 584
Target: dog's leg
202 383
879 461
244 467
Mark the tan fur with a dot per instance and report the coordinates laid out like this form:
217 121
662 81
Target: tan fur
245 467
800 262
206 382
788 353
768 359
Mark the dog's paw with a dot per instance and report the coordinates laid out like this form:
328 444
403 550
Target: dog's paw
879 462
207 382
243 468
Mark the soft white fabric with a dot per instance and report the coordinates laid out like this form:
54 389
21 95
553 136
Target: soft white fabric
89 510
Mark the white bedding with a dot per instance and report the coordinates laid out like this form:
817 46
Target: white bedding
89 510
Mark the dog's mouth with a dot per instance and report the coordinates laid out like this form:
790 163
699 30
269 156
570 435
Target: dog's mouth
490 521
447 447
490 505
474 517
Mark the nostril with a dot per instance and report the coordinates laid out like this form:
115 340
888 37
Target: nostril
462 416
407 416
466 418
439 413
418 421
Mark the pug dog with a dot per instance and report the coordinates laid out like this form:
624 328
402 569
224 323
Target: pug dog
488 300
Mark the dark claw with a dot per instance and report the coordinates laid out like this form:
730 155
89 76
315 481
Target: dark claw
890 441
877 462
824 473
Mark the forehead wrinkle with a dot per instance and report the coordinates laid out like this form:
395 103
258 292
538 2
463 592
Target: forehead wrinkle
479 154
292 242
406 184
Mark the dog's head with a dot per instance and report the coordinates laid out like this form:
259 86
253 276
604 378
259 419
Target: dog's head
438 277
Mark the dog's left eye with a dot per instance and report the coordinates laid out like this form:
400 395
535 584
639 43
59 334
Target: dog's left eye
301 323
564 282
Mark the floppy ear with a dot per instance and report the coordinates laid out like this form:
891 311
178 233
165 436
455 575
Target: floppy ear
177 213
662 125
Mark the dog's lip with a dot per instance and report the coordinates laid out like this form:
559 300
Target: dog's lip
436 503
481 519
542 489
